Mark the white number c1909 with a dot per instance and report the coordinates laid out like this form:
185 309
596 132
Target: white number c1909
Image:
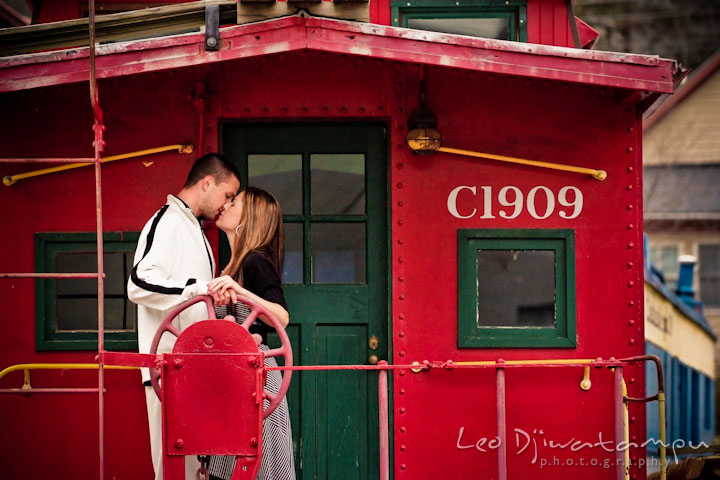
512 198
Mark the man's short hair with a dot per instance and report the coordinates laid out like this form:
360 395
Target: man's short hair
211 164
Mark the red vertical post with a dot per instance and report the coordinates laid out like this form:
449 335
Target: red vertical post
619 427
383 422
501 425
98 143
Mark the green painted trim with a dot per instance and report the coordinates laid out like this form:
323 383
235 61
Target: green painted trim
46 245
515 11
562 335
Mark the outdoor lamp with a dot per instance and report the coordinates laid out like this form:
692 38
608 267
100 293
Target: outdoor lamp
422 137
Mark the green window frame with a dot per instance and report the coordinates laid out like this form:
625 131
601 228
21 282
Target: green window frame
47 335
514 11
562 334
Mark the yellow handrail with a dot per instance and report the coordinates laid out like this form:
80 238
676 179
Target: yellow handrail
26 367
597 174
11 179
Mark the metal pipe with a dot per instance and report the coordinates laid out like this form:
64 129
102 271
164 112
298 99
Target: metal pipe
596 174
59 366
29 391
501 424
626 433
663 436
619 404
383 423
49 275
84 162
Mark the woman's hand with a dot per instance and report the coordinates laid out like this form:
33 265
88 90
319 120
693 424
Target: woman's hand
225 290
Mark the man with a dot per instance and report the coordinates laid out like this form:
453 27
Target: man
173 263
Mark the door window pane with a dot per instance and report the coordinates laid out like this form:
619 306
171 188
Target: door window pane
280 175
293 263
516 288
496 28
338 253
337 184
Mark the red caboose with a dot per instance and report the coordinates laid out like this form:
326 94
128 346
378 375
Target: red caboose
499 266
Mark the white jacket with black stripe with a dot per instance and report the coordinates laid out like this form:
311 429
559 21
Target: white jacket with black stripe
173 263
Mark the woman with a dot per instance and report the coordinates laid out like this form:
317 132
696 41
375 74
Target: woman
253 225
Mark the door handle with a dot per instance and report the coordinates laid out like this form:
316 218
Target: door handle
373 359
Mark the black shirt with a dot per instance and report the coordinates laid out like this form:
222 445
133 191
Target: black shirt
259 276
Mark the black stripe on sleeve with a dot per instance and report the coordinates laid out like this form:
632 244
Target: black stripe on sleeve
141 283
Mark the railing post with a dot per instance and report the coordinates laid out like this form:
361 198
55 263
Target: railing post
383 422
501 426
619 415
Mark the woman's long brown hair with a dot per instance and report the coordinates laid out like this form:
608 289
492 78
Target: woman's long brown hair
262 231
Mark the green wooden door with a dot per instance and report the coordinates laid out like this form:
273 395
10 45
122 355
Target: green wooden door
330 180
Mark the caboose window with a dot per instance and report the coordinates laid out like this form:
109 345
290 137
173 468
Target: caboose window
516 288
496 19
66 309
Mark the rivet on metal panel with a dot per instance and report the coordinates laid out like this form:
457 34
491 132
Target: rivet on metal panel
343 109
304 110
401 373
401 391
401 203
399 185
403 429
381 108
630 169
401 297
401 317
630 129
629 150
631 341
400 241
246 110
402 353
209 341
403 466
265 110
630 226
632 380
401 278
629 208
630 265
401 334
179 443
400 224
629 188
284 109
324 109
178 363
631 284
631 303
634 437
400 166
631 322
403 448
401 410
630 245
253 442
361 109
632 419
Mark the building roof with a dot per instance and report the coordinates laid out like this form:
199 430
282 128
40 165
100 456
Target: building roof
641 74
682 192
693 315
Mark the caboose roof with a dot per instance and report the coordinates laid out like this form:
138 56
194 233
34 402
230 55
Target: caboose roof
636 73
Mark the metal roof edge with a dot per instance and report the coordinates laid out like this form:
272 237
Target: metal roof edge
625 71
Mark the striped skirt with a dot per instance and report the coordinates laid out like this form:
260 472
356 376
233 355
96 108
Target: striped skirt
277 455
